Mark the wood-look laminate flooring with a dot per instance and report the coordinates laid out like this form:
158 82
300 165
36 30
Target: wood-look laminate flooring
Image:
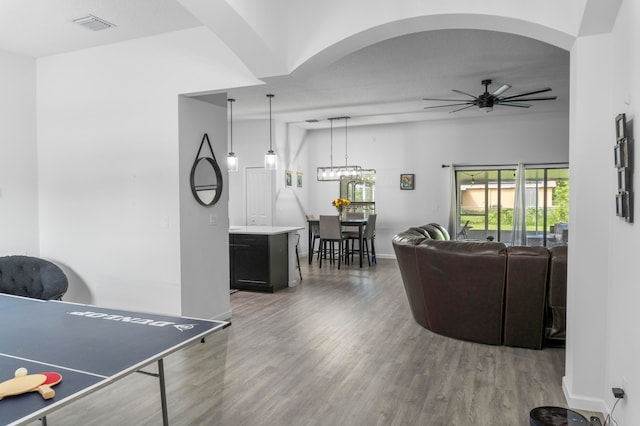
341 348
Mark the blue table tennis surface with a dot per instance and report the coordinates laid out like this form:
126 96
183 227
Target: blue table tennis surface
88 345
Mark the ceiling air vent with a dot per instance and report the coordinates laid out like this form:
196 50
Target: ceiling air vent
93 23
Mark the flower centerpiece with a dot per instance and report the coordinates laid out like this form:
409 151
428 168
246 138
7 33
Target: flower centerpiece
340 204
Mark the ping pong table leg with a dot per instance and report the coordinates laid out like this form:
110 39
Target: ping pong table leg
163 390
163 393
43 421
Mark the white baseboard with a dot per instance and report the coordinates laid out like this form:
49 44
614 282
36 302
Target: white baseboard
378 256
582 402
225 316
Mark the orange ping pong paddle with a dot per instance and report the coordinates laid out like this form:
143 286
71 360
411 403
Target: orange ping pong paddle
45 388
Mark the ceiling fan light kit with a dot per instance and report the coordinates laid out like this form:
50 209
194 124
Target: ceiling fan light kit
487 101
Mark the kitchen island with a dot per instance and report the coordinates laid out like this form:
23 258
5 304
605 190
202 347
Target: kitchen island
262 258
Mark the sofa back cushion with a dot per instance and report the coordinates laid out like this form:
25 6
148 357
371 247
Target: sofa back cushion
463 285
557 294
526 286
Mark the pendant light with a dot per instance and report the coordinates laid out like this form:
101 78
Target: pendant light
232 159
270 159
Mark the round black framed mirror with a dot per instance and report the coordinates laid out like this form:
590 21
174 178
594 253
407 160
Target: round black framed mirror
206 181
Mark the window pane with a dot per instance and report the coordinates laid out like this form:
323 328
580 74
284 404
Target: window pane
486 200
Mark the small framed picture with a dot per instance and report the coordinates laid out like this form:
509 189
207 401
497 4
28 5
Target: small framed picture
623 180
407 181
288 179
621 154
621 124
299 179
622 205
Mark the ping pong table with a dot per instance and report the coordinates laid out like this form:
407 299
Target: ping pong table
89 346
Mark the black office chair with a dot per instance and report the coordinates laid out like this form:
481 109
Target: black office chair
32 277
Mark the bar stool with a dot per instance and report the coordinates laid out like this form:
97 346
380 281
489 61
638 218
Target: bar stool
350 233
315 236
298 255
368 234
330 232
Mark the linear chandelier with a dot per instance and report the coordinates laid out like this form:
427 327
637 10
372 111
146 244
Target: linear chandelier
333 173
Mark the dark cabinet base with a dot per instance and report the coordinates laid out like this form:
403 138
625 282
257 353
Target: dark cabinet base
258 262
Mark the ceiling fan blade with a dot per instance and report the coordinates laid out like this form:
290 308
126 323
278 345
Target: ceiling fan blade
533 92
464 93
450 105
445 100
513 105
547 98
500 90
460 109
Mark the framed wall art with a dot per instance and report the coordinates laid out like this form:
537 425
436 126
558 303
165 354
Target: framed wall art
623 162
407 181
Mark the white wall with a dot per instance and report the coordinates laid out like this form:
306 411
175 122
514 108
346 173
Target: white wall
602 315
204 231
250 143
108 148
591 206
621 311
18 156
422 148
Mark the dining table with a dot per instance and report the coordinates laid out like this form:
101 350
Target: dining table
360 223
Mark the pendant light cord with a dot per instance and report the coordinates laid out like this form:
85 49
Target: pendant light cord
346 146
231 101
270 130
331 133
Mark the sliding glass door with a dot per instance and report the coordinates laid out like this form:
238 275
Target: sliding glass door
486 200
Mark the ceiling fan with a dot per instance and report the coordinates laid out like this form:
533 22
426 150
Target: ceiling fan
486 101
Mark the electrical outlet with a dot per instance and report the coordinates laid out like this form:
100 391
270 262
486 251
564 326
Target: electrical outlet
213 220
618 392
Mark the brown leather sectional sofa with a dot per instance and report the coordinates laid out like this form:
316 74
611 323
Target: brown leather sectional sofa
483 291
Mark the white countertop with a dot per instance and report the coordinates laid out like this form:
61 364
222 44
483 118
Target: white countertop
263 230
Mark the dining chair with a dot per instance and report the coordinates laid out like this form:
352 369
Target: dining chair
331 232
315 236
368 235
350 233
